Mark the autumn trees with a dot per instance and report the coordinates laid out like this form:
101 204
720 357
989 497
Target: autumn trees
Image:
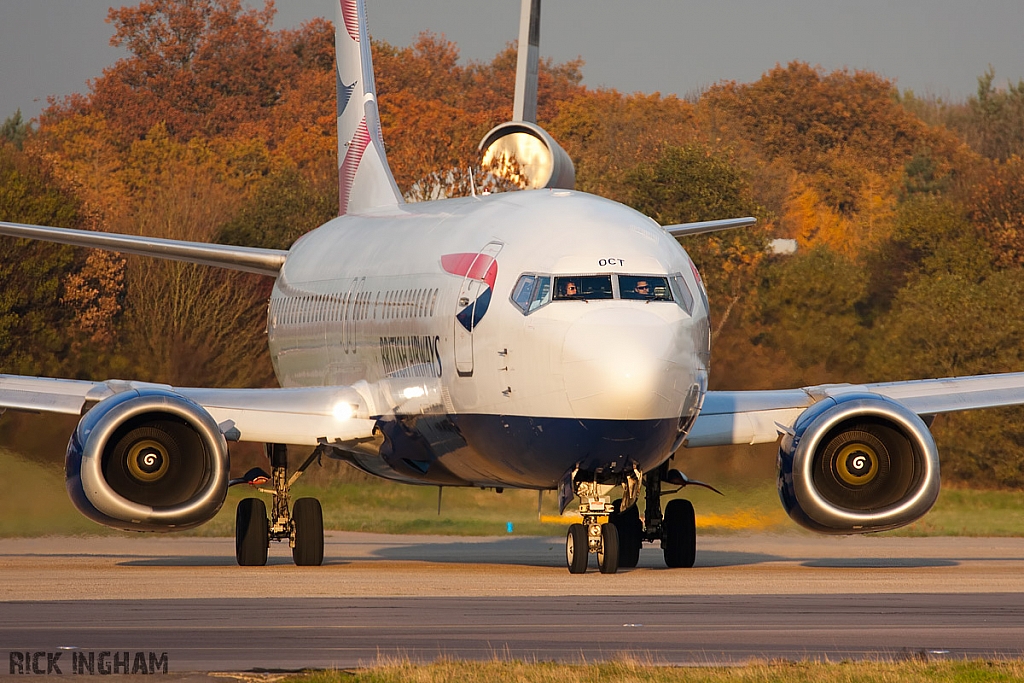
908 211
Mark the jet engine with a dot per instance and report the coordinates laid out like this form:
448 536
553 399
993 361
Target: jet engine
147 460
524 152
857 463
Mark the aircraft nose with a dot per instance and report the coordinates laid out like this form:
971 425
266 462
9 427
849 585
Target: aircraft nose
626 363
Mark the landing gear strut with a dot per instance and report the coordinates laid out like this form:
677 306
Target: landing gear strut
591 536
303 527
675 528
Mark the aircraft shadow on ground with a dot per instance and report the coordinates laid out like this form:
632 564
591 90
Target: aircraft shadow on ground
543 552
879 562
529 552
227 560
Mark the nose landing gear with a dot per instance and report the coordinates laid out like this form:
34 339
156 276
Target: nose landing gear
675 528
592 536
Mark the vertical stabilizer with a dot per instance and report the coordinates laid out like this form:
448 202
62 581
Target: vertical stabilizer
364 178
525 104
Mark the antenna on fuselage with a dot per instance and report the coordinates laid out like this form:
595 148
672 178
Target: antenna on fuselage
520 150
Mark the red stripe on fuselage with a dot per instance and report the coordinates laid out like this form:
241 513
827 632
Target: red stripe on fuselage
473 266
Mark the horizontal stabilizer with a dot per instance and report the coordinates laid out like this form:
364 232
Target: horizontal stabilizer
701 227
249 259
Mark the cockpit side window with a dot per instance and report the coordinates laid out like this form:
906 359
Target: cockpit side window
645 287
531 292
522 295
682 293
583 287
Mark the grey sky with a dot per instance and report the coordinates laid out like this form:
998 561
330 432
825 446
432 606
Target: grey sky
52 47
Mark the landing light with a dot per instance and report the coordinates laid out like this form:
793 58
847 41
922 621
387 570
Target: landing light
413 392
343 411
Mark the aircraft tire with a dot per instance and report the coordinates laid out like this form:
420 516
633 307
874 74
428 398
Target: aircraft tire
252 535
308 518
680 541
577 550
631 538
608 555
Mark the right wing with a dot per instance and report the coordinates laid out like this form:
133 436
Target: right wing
338 415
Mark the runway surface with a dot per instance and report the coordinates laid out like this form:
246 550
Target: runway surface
789 596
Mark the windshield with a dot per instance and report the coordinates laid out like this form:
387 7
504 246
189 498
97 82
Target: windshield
583 287
645 287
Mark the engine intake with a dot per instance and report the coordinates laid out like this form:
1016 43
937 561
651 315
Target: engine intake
541 162
857 463
147 460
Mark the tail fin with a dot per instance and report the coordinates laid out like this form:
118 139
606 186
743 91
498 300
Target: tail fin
364 178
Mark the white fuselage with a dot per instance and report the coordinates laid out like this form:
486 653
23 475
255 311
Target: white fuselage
375 297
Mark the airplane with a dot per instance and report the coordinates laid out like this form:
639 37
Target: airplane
542 339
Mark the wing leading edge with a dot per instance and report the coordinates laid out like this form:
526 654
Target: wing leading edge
749 417
249 259
302 416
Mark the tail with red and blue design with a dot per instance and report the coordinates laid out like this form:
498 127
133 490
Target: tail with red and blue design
364 178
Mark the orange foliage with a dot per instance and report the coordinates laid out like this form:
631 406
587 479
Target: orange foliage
998 210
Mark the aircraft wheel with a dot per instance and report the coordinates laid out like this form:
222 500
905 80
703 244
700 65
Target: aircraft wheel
608 555
680 541
631 534
308 518
252 535
577 550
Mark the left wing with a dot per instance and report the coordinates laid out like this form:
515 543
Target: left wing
749 417
701 227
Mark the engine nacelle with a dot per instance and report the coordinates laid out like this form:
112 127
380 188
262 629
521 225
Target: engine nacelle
147 460
857 463
541 161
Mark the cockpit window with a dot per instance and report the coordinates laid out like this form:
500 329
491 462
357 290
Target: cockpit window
522 295
645 287
682 291
583 287
531 292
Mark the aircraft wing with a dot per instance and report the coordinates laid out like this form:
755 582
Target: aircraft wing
301 416
749 417
249 259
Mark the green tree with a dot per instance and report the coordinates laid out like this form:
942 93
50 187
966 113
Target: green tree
33 322
15 129
283 208
691 183
810 305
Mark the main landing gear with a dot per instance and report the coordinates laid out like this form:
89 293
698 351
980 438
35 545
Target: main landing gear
618 542
303 527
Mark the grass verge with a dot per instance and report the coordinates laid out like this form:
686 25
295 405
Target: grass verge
631 671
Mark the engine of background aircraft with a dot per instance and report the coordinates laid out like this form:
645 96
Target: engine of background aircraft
858 463
147 460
